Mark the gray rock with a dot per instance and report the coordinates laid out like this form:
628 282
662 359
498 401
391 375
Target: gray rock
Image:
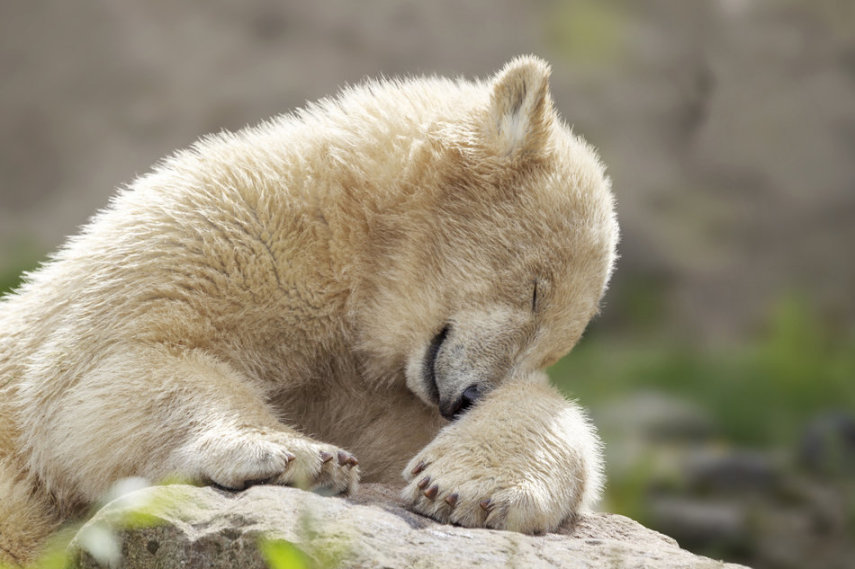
189 527
701 522
656 417
736 470
827 444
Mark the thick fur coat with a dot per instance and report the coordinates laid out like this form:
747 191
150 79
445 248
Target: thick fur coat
370 285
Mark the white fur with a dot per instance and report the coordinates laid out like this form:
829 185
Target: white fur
267 298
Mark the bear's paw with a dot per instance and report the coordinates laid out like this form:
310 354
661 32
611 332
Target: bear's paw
476 493
247 457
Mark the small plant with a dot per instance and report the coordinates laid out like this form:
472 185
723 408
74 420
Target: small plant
281 554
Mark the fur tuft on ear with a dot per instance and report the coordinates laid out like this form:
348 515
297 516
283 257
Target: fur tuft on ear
520 107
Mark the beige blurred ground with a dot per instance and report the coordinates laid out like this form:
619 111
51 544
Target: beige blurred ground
728 125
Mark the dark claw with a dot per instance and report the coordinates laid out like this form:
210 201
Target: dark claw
325 456
431 492
424 483
419 468
486 505
451 499
346 459
290 457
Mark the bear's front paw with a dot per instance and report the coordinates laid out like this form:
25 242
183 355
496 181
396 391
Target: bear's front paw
480 492
320 467
246 457
523 459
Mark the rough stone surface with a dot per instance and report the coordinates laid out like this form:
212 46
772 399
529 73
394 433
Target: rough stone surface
188 527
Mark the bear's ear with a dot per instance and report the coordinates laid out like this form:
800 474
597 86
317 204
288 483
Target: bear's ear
520 108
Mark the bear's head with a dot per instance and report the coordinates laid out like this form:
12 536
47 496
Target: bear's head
503 260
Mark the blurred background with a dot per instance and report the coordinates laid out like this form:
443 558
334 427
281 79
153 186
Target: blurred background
722 370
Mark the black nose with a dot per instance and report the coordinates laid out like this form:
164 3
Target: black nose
469 396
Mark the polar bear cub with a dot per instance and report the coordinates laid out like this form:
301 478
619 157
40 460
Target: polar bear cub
367 286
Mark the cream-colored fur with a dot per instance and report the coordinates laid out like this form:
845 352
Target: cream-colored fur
332 279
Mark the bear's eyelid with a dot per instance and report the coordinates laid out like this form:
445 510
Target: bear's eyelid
534 297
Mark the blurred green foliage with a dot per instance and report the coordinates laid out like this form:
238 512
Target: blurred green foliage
281 554
316 552
760 393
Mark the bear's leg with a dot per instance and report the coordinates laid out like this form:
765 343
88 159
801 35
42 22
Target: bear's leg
27 517
160 413
523 459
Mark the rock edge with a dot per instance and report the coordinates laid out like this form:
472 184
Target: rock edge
200 527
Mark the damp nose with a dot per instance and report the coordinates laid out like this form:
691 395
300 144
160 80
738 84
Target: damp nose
468 398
